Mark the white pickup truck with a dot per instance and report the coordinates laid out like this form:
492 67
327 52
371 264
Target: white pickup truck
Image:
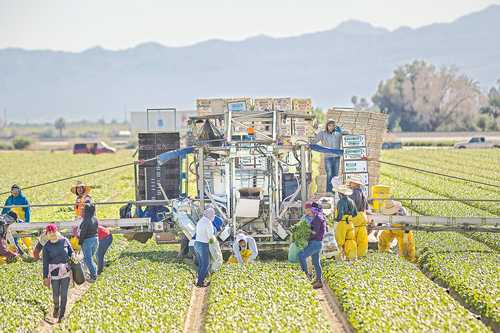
476 142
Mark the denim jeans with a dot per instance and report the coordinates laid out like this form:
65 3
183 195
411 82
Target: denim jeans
332 170
89 248
103 247
60 295
203 257
313 250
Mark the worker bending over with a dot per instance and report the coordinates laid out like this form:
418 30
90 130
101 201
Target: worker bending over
360 221
406 242
8 253
244 250
344 232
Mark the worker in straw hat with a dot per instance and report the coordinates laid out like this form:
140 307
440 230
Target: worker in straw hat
344 233
406 242
82 193
360 221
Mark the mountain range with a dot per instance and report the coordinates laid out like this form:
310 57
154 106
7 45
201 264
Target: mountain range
329 66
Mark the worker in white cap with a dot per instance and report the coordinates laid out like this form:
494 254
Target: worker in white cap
345 213
360 221
244 250
406 242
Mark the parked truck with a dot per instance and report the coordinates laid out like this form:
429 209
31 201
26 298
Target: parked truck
477 142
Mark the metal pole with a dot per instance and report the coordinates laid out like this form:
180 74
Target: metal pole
147 120
201 178
135 183
303 175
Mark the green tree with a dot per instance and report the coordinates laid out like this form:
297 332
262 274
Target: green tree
60 124
492 109
421 97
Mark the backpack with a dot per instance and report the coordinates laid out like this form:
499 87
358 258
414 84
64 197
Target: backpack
126 211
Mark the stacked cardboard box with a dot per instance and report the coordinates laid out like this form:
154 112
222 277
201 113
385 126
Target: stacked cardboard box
282 104
263 104
372 125
302 105
208 106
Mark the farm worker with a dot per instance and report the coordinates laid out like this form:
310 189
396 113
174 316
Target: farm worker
204 233
331 137
17 198
88 239
56 270
42 240
7 254
308 215
344 232
244 250
105 239
82 195
360 221
406 242
315 243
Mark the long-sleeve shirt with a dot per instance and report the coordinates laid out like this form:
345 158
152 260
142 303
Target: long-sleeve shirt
250 245
56 253
204 230
4 251
23 213
330 140
318 227
359 200
88 229
346 206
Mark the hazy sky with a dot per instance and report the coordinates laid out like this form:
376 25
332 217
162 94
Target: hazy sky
117 24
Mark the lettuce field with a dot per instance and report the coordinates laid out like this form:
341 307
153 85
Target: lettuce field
453 287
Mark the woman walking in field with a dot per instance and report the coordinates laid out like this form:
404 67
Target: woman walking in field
56 270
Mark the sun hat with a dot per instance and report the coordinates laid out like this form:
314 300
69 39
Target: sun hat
391 207
86 188
342 189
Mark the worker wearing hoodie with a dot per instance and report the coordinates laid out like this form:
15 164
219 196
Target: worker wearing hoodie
331 137
244 250
17 198
88 239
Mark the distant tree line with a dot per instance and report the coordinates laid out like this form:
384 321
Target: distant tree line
422 97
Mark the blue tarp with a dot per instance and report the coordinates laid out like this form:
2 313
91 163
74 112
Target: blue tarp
326 150
170 155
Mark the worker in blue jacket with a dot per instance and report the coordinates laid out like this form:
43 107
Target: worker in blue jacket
22 214
17 198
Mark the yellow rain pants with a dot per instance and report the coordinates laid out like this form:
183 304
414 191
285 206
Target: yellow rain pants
344 235
406 243
245 255
360 233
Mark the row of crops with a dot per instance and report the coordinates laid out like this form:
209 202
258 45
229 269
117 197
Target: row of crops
147 289
466 263
29 168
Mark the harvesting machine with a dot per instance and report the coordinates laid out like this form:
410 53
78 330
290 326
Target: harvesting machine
253 162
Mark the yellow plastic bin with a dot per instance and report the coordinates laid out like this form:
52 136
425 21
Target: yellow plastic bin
380 192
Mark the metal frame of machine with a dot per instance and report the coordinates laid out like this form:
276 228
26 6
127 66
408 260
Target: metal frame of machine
268 161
